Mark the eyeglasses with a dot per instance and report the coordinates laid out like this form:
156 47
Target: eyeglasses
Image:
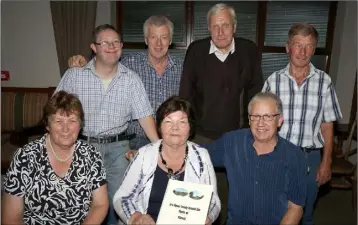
264 117
106 44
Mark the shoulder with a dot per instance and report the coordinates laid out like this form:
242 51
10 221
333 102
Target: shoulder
87 150
321 75
128 73
244 43
278 73
236 135
293 153
200 44
178 61
132 58
31 150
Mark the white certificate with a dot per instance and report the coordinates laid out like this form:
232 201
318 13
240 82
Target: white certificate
185 203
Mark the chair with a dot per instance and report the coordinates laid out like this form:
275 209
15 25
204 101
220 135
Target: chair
344 173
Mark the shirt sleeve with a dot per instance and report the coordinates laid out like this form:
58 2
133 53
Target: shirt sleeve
266 87
125 199
98 174
18 177
298 178
216 150
67 82
332 111
139 102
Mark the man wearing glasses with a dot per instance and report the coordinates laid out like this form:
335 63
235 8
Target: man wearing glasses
310 107
266 173
111 94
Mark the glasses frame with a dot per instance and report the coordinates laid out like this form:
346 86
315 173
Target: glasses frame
268 117
106 44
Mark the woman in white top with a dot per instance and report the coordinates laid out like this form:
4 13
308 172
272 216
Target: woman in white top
139 198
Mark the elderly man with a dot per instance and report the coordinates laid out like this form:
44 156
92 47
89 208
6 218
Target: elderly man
111 94
310 106
160 72
266 173
220 76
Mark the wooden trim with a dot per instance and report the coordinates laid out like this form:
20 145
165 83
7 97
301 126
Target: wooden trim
330 32
276 49
261 19
189 22
49 90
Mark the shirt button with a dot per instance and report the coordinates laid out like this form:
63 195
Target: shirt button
256 182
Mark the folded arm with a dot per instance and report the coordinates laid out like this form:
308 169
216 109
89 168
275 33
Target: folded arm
293 214
12 209
99 206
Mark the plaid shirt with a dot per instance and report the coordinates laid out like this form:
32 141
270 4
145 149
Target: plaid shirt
158 88
107 110
306 107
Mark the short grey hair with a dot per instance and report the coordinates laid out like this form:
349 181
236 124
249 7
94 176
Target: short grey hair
158 20
266 96
219 8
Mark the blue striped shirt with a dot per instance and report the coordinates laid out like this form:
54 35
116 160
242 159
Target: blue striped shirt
260 186
305 107
107 110
158 88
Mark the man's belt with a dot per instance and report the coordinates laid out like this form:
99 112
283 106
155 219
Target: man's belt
107 139
308 150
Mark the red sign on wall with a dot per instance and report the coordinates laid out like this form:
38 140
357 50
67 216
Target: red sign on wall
5 75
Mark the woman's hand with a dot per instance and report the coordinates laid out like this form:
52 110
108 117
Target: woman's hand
208 221
141 219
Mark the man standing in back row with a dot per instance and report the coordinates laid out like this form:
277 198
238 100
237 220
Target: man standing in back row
111 94
220 76
310 106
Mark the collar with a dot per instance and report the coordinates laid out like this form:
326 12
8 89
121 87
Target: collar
214 49
91 66
313 71
171 62
251 140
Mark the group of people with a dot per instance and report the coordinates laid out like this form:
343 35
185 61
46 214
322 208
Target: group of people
77 173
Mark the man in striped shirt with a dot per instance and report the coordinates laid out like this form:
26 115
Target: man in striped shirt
310 107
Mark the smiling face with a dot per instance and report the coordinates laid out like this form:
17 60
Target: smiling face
222 30
63 129
265 131
300 50
158 40
175 129
110 53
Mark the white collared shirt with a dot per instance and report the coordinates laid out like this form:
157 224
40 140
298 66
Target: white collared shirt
221 56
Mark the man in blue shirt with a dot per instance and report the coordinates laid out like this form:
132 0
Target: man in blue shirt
266 173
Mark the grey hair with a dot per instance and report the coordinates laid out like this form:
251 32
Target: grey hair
219 8
266 96
158 20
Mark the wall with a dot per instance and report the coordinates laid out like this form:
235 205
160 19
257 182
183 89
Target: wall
344 55
28 47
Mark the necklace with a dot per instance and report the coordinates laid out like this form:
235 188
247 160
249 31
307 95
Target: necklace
171 174
56 156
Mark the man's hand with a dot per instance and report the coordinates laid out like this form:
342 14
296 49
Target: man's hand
130 154
77 61
323 173
207 221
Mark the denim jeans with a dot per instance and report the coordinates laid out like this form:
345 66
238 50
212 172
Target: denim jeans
115 163
313 160
138 142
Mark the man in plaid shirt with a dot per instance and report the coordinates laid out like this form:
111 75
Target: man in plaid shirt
310 107
111 94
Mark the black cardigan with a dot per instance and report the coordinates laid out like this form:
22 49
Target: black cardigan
214 87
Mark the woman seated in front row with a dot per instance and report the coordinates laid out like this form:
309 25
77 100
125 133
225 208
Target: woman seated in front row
139 198
56 179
